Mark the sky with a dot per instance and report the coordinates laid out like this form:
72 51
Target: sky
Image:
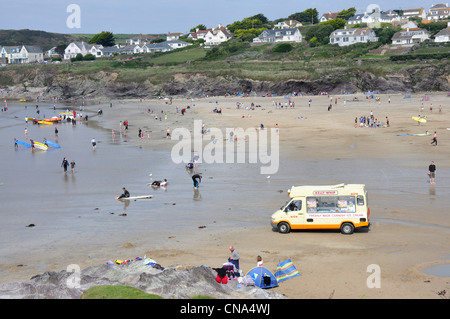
164 16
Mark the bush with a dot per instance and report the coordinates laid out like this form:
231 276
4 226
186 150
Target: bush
88 57
283 47
424 56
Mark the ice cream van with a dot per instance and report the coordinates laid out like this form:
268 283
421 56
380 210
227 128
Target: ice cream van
341 206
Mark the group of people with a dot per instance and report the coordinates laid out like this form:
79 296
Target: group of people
370 121
65 164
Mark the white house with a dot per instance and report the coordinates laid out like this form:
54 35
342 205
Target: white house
22 54
32 54
410 36
109 51
96 50
438 12
216 36
157 47
373 17
443 35
173 36
414 13
279 35
177 44
198 34
74 48
11 53
344 37
328 16
287 24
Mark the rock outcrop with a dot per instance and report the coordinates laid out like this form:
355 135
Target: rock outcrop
106 85
172 282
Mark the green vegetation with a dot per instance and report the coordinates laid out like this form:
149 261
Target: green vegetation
123 292
117 292
104 38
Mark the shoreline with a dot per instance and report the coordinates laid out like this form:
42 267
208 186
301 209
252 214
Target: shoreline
401 251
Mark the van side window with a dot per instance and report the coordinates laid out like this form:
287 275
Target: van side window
331 204
295 205
346 204
360 200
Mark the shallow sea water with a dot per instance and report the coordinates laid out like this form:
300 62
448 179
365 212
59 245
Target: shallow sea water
80 208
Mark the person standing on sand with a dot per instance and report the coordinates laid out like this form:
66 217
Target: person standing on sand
432 172
168 133
234 258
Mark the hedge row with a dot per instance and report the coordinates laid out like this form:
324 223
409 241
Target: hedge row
425 56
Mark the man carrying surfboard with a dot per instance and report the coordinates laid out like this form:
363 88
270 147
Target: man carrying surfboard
125 194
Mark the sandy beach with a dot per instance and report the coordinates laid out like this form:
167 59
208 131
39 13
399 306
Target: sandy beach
410 225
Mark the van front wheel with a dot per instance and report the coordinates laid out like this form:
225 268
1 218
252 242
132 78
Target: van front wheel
284 228
347 228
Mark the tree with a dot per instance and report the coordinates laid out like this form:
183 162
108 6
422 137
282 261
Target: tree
335 23
60 49
384 35
309 15
104 38
254 22
320 32
248 35
346 13
200 27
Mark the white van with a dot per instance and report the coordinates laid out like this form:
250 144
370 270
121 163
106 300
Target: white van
342 206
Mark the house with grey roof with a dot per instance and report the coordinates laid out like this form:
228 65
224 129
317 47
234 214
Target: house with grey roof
32 54
374 17
410 36
443 35
344 37
438 12
158 47
279 35
75 48
22 54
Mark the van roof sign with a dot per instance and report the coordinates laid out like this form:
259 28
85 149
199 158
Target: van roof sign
325 192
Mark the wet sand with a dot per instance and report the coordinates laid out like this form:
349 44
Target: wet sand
410 224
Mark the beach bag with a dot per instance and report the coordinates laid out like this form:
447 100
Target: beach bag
248 281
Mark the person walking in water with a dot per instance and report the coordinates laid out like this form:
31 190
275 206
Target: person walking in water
72 166
432 172
94 144
196 178
65 164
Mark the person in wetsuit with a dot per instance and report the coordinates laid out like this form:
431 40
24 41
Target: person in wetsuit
125 194
196 178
